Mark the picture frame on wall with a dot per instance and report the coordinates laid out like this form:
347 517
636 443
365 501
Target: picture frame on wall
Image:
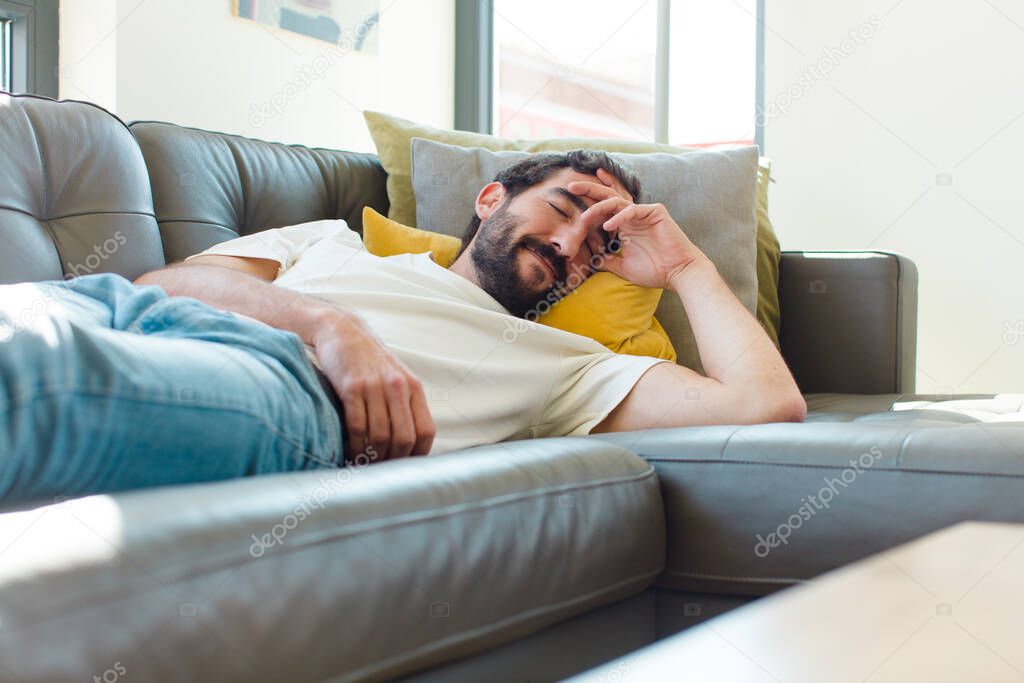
349 24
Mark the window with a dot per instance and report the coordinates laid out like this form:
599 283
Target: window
574 68
5 54
712 68
28 46
682 72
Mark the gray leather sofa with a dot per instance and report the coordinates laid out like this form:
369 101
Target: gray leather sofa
519 561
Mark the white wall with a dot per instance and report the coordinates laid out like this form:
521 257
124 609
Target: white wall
87 57
913 144
192 62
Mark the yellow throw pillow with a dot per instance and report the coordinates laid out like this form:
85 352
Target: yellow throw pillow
385 237
393 136
615 313
608 309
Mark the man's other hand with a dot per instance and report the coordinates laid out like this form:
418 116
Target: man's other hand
385 406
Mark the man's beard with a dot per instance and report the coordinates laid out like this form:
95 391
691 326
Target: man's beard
495 255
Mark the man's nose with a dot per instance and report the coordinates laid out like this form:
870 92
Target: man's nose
568 238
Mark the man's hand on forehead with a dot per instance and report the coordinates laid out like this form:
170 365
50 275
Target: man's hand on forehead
599 190
609 198
643 243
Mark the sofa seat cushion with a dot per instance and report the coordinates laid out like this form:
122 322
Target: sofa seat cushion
755 508
345 574
998 408
828 407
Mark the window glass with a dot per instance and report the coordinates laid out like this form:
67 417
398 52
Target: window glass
712 71
587 68
574 68
5 55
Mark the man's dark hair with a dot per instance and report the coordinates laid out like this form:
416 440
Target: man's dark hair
536 168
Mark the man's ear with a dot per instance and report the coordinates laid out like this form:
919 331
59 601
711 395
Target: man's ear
489 199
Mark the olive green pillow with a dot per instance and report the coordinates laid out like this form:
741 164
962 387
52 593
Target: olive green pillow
768 257
393 137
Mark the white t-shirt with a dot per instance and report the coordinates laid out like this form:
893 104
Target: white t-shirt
487 375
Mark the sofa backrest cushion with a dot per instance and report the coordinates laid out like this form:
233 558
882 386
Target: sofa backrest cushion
212 187
74 194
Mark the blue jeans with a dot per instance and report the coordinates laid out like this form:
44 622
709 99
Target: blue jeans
109 386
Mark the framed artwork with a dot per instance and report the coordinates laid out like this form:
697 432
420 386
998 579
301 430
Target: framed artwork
349 24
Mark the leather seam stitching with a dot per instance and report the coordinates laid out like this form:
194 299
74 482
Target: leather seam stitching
144 123
724 577
836 467
725 444
161 221
45 191
242 208
42 163
33 96
76 215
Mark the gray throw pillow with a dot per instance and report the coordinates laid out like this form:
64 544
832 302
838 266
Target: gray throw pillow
712 195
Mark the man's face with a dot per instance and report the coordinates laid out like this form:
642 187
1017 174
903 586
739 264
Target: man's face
537 242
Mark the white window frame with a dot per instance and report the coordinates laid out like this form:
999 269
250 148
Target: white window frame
32 43
6 55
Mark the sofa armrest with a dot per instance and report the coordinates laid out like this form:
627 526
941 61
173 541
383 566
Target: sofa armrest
849 320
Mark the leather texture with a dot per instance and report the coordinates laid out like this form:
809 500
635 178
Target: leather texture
212 187
727 488
601 635
560 650
390 568
849 321
74 198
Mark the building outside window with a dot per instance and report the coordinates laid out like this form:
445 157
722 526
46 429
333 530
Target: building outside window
589 68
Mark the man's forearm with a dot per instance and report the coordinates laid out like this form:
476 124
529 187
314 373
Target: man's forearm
231 290
733 348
